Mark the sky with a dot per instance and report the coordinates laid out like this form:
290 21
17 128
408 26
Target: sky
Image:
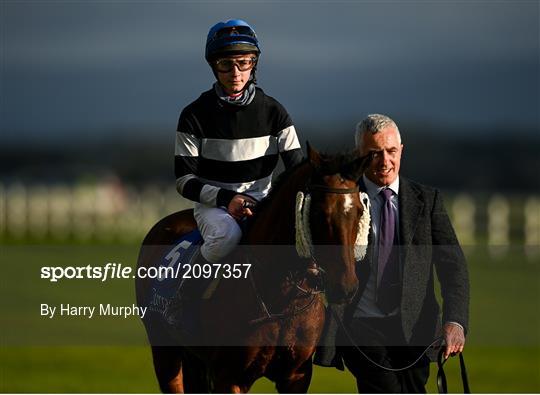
90 69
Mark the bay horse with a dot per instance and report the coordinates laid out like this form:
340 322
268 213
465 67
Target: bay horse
269 324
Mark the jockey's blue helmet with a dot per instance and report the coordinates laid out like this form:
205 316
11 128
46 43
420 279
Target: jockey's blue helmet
234 36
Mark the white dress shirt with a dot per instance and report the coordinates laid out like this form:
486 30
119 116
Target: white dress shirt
366 306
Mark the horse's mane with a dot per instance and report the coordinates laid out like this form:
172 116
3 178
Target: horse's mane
277 185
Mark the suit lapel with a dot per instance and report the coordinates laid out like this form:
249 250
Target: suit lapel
410 207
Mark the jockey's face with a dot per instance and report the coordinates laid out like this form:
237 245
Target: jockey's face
386 148
234 79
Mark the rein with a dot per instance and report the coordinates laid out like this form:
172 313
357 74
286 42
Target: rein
281 316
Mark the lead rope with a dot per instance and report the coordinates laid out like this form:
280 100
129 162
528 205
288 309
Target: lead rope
349 337
441 376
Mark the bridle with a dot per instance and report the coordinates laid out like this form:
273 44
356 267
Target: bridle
313 269
327 189
441 378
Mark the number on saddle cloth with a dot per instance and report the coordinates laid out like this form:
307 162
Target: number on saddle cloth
176 258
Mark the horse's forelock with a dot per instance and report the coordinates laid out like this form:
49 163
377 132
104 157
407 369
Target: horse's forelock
343 164
354 169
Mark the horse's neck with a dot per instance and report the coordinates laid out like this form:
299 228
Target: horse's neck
272 236
276 223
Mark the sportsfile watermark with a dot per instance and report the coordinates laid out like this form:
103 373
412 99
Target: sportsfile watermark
123 294
112 271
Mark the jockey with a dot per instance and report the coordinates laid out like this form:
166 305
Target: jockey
228 140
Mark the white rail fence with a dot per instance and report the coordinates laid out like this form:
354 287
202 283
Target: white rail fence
108 211
112 211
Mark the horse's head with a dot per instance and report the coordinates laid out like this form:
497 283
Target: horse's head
335 220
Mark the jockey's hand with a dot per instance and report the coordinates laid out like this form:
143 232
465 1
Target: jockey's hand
236 207
454 338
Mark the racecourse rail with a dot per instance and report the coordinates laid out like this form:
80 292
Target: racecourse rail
114 212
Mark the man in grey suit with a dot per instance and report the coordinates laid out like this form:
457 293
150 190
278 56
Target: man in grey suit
395 315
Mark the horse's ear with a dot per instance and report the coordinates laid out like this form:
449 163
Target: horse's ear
313 155
356 168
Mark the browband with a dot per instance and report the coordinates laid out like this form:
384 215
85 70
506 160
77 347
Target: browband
327 189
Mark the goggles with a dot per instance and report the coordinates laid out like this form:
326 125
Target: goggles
227 64
232 32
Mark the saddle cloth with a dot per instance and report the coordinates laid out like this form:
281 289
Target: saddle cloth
166 290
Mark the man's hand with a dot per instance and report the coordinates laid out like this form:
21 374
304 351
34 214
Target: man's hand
454 338
236 207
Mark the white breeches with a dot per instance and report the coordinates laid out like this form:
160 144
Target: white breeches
220 231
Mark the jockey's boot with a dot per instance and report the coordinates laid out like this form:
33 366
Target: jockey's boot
184 311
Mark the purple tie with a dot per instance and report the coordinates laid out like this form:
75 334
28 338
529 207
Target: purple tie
388 272
386 236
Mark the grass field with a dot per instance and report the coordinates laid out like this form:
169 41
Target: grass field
109 355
